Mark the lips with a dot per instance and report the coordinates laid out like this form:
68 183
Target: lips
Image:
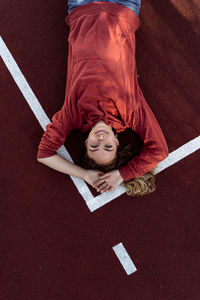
101 131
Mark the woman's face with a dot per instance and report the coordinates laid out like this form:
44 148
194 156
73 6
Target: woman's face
101 143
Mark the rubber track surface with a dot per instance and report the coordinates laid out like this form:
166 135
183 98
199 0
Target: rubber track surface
52 247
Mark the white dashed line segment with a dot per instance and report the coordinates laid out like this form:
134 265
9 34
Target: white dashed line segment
124 258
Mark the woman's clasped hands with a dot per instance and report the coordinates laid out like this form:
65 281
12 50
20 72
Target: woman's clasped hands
103 182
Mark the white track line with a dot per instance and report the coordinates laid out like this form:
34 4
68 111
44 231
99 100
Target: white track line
178 154
92 202
172 158
124 258
38 110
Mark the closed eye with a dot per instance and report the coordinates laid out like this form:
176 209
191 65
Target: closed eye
98 149
106 147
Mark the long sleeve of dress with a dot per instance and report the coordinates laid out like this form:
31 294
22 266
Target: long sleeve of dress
55 134
155 147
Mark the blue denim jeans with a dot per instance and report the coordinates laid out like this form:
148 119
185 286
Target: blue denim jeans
134 5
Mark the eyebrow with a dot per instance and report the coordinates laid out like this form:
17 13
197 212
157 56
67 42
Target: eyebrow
98 149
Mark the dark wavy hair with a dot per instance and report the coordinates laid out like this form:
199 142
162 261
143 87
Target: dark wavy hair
137 186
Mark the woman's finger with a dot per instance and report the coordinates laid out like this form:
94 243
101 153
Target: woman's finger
106 189
104 176
99 182
110 189
101 187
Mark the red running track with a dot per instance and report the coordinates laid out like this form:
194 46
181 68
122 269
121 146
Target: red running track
52 247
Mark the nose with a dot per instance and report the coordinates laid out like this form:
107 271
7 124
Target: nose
101 136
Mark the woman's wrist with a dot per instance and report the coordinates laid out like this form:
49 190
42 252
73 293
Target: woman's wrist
83 173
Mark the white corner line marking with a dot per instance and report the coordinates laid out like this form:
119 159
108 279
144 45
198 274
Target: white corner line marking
38 110
124 258
178 154
172 158
92 202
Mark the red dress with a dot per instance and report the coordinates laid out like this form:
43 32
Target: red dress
102 84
